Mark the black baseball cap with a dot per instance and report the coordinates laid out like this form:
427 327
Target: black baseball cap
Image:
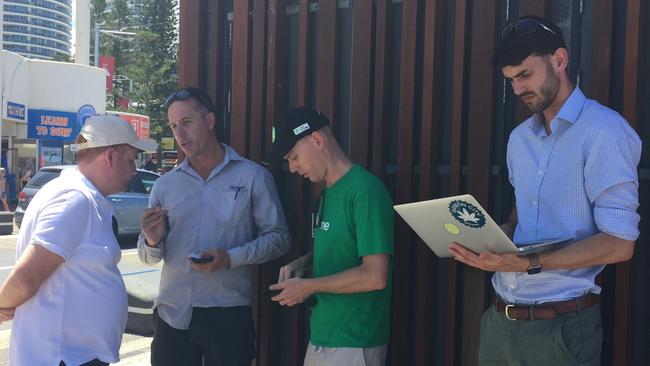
294 125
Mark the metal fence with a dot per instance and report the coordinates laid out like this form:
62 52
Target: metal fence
412 96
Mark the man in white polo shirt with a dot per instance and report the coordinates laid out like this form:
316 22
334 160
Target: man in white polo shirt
65 292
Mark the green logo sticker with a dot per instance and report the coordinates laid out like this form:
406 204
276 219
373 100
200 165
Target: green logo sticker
467 214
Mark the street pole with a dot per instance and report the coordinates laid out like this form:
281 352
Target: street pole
97 44
112 33
82 33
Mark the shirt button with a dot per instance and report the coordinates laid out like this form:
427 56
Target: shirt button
513 286
540 172
534 203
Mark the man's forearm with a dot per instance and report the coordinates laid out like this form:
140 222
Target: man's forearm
599 249
307 261
33 268
351 281
18 288
363 278
267 246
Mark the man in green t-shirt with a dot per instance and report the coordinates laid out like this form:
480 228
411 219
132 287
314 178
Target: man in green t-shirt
353 246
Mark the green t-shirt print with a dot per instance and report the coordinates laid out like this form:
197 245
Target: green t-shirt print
356 220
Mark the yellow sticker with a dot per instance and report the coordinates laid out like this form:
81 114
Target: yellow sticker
452 229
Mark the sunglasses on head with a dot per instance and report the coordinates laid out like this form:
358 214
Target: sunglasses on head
185 94
524 27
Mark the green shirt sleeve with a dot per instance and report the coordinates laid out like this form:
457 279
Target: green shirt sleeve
373 219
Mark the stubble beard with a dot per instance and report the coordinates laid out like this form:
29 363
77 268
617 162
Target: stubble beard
547 92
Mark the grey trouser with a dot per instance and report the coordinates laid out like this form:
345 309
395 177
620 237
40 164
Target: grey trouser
345 356
570 339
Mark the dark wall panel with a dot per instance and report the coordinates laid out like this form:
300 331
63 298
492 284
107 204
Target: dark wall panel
241 76
409 85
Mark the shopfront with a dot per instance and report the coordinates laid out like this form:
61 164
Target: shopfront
44 105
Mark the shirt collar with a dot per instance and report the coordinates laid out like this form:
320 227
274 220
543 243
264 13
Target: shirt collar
229 155
569 112
572 108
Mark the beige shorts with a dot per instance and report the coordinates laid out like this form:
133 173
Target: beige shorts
345 356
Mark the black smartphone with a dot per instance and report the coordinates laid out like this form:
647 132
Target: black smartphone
271 293
206 259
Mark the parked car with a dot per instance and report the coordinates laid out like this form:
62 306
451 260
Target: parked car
128 206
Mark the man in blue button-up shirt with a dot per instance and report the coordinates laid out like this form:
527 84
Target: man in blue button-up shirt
573 166
211 219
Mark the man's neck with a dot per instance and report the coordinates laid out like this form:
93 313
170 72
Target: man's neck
205 163
338 166
551 112
95 176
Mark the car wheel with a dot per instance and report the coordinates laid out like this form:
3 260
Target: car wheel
114 227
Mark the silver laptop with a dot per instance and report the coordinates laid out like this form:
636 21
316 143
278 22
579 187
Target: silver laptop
461 219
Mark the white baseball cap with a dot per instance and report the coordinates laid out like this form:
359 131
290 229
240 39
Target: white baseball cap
109 130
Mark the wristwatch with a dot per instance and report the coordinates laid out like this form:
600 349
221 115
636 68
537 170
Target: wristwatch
534 266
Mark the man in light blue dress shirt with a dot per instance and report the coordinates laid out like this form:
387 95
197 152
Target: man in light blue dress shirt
211 219
573 166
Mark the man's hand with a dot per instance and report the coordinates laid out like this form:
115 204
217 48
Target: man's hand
154 225
220 260
6 314
490 262
296 268
294 291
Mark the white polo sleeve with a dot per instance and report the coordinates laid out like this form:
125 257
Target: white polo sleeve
62 224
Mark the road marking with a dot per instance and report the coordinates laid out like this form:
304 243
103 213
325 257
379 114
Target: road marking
139 272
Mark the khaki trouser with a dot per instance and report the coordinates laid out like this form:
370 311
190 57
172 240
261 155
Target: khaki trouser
345 356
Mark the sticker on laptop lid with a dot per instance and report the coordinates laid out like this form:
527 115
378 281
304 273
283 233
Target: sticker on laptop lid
467 214
452 229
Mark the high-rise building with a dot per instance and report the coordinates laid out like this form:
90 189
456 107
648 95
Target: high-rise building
37 28
136 7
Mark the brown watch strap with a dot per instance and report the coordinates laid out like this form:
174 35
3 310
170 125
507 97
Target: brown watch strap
534 264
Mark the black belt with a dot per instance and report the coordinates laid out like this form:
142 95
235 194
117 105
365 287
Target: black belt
546 311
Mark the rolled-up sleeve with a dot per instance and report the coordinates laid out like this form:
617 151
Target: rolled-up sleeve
150 255
273 239
611 180
615 211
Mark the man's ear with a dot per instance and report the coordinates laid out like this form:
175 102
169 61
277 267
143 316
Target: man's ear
110 156
212 122
560 59
318 139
